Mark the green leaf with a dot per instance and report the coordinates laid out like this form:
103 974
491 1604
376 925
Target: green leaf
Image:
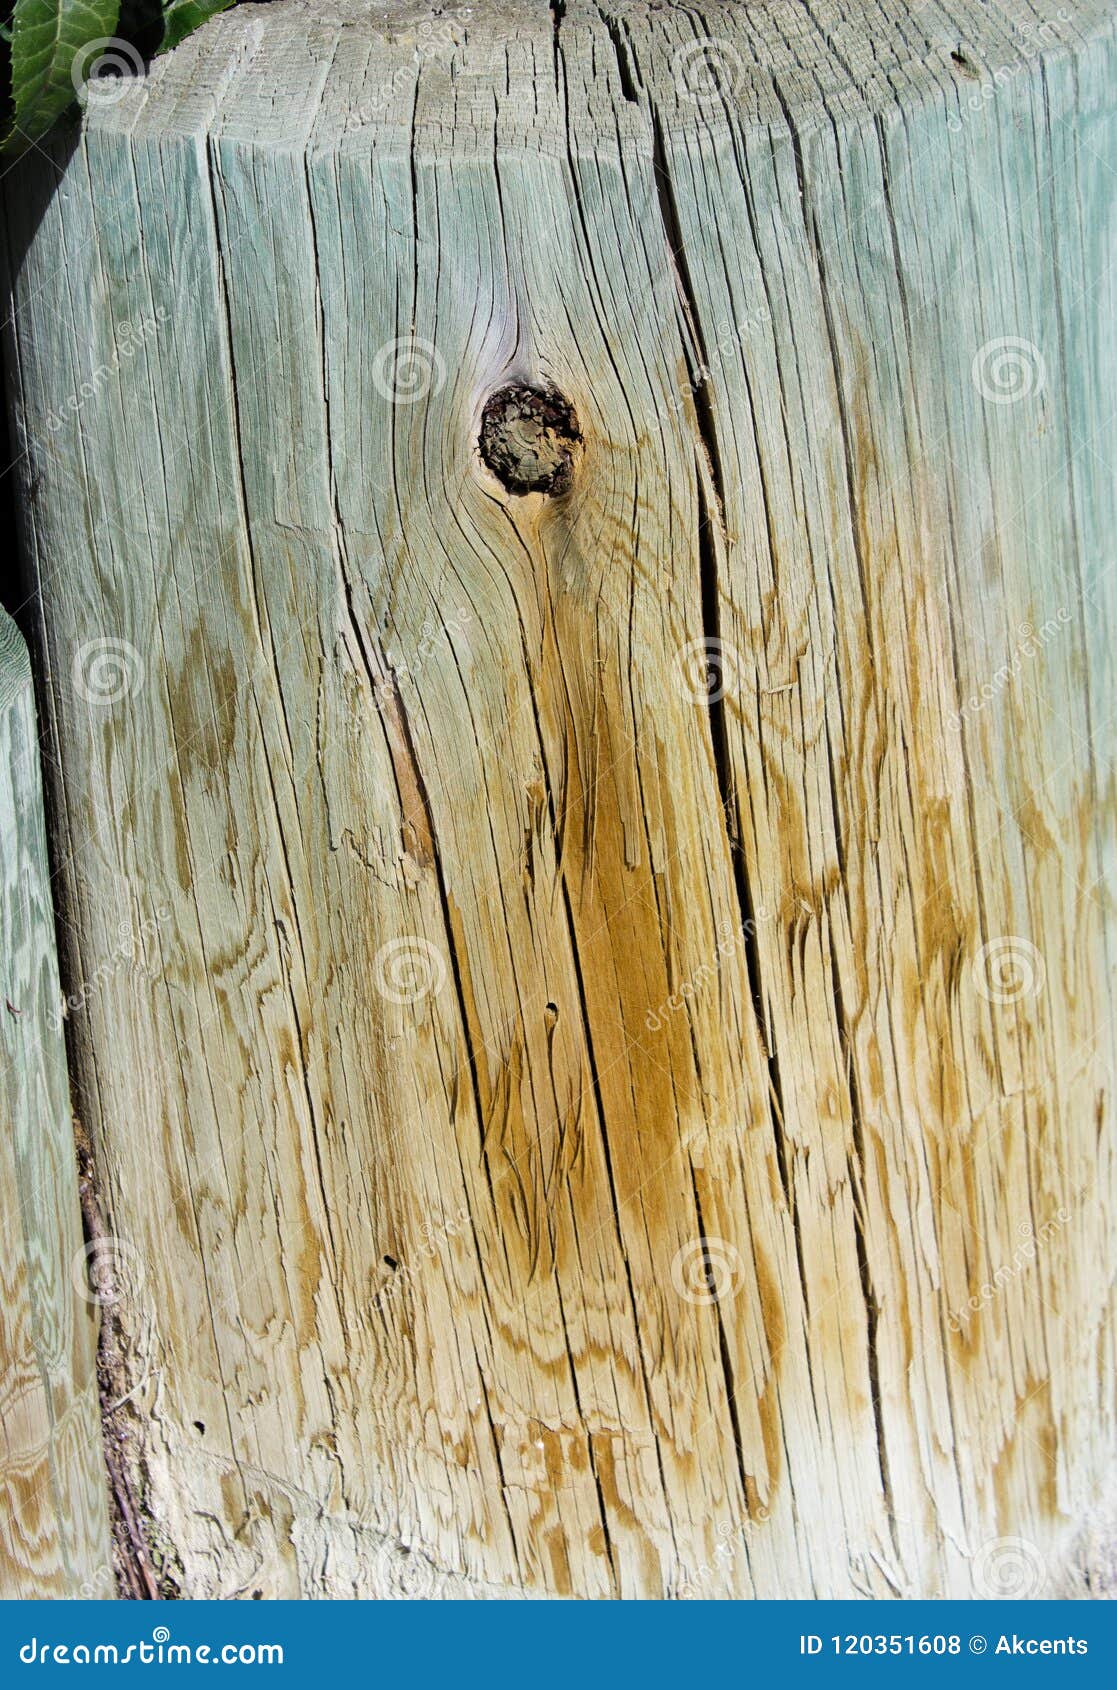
50 39
55 43
182 17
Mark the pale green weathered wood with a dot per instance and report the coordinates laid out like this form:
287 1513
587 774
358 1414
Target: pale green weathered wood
54 1534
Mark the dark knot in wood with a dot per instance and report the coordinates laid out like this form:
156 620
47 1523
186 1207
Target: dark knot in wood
529 438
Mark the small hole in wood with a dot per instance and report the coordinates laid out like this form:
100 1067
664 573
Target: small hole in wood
200 1426
530 438
966 66
390 1261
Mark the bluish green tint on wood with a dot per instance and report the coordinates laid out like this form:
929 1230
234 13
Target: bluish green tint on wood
54 1533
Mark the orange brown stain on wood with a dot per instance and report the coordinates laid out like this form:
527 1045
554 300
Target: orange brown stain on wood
558 1560
1032 1427
768 1409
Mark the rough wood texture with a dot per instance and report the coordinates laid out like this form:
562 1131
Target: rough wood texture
609 1085
54 1538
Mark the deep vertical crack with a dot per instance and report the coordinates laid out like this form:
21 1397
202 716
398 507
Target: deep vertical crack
711 524
626 63
723 1347
857 1123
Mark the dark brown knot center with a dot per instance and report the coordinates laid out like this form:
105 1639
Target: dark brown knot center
530 438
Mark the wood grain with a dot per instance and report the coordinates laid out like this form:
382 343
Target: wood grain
610 1078
54 1538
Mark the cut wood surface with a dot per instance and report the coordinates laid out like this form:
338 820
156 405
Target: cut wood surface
54 1535
594 1008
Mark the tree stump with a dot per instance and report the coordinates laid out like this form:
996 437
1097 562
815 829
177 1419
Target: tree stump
54 1528
574 553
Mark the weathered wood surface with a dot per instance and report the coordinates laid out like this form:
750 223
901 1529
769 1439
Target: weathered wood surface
54 1536
587 1126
